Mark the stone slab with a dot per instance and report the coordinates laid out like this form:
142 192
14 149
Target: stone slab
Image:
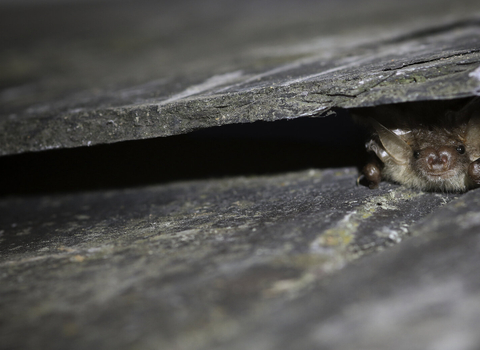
239 261
300 259
93 74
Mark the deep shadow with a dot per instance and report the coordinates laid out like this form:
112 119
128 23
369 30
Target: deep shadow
232 150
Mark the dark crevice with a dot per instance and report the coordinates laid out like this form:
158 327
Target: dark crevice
343 95
230 150
415 63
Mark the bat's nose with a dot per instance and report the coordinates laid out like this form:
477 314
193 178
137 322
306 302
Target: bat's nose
439 160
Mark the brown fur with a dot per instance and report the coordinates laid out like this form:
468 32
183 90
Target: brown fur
425 145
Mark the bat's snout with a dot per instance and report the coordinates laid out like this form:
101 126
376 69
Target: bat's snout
439 160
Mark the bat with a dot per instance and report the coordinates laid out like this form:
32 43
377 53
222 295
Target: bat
430 146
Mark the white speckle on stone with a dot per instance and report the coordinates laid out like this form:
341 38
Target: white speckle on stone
475 74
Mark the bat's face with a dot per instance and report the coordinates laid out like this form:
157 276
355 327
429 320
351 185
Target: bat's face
438 161
443 166
435 149
430 159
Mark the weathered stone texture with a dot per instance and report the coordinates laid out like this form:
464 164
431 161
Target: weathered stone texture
168 76
189 264
267 257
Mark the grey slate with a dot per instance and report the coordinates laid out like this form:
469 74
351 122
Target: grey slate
219 63
242 262
277 259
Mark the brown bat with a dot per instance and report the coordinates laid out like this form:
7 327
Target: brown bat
424 145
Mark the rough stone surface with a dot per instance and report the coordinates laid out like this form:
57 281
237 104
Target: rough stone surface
106 248
189 265
220 63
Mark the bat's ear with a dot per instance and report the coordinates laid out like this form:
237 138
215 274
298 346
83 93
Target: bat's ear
396 148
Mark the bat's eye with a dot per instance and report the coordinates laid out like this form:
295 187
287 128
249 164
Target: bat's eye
416 154
461 149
